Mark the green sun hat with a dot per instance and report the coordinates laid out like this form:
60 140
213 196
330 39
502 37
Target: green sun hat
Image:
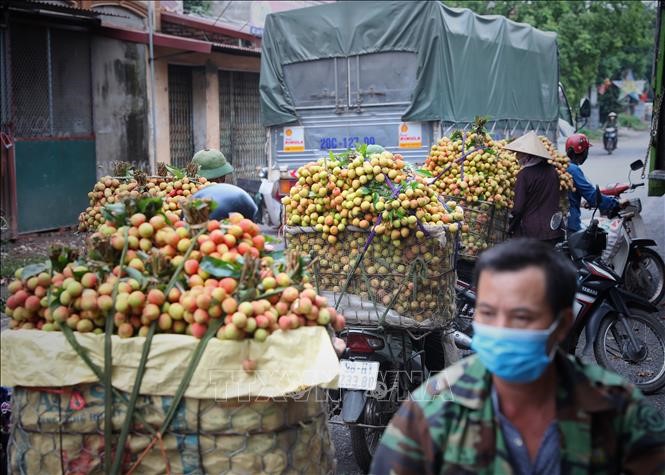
212 163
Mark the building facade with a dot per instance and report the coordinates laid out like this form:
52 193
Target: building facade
80 89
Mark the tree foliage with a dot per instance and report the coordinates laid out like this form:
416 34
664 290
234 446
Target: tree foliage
199 7
597 39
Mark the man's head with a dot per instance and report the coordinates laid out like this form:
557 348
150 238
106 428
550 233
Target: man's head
212 165
577 148
524 301
523 283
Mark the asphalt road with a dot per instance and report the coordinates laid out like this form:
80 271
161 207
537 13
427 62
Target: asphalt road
601 169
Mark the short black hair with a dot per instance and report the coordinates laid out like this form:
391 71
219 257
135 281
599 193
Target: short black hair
517 254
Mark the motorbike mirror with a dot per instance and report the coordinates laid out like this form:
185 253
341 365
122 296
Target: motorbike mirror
636 165
585 108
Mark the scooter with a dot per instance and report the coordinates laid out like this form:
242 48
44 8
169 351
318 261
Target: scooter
626 335
378 370
634 259
610 138
622 327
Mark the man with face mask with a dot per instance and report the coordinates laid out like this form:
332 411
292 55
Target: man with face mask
577 149
519 405
535 210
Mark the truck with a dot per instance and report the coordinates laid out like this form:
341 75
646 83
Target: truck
657 145
401 75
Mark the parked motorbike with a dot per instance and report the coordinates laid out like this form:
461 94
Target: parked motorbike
378 370
610 138
634 259
623 329
626 335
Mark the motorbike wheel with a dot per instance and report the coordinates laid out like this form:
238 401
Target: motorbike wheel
643 366
645 276
364 441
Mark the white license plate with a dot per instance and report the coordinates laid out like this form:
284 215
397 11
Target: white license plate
358 374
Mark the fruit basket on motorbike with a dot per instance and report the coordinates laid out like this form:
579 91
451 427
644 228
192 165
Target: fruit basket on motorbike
485 225
410 285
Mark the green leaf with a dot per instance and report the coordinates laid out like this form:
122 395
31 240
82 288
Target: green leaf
116 213
272 239
424 172
364 190
362 149
35 269
150 206
136 275
176 172
276 255
219 268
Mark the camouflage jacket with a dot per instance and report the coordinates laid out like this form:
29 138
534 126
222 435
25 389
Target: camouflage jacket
448 426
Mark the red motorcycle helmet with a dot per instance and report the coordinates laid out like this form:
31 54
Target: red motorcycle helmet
577 144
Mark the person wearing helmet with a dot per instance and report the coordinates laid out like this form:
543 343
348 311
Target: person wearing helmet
535 211
577 149
212 165
229 198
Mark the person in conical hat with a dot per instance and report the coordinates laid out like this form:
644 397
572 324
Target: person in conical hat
535 212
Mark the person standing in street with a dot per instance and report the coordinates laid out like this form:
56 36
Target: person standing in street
535 212
577 149
520 405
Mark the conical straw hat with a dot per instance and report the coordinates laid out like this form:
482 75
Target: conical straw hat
529 143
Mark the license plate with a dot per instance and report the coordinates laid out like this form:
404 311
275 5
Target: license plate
358 374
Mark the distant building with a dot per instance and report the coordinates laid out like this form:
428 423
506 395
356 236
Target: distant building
75 95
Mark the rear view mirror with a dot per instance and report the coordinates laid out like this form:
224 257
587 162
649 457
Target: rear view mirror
636 165
585 108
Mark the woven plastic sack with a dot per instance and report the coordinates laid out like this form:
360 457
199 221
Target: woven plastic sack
62 431
408 286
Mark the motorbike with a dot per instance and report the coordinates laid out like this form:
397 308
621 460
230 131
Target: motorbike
610 138
379 368
634 259
263 193
622 327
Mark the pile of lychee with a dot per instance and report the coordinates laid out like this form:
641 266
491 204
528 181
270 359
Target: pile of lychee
353 190
109 190
266 296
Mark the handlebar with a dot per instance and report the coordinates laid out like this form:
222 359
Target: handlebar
617 189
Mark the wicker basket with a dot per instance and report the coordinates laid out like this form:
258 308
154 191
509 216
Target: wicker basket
407 286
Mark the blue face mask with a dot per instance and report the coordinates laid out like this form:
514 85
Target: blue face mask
515 355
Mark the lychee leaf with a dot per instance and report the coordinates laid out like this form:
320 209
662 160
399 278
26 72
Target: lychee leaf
362 149
219 268
276 255
271 239
136 275
150 206
116 213
35 269
424 172
176 172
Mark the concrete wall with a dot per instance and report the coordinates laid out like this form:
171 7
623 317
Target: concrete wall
120 103
162 110
205 85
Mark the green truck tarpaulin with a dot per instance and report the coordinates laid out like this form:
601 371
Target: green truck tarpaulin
468 64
